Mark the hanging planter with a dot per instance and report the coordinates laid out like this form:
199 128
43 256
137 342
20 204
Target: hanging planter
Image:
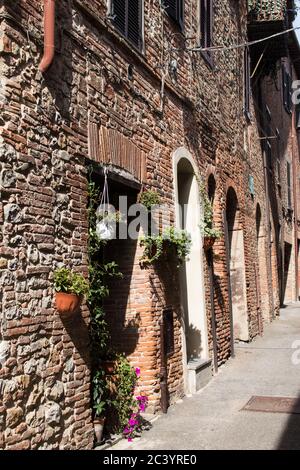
67 304
70 290
172 244
107 216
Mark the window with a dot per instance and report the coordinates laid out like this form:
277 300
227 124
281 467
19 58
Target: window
289 187
287 89
127 18
175 9
206 25
247 84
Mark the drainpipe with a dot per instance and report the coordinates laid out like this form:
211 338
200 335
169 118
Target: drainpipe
49 35
295 177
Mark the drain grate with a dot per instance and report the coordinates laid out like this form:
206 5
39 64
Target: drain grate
273 405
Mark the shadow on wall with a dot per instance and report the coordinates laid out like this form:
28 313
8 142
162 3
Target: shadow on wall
289 439
78 331
193 339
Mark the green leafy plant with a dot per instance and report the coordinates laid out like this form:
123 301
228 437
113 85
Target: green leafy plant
206 226
100 395
70 282
110 217
150 199
172 242
124 401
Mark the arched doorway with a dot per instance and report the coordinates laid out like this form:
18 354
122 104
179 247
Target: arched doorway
237 268
262 266
194 327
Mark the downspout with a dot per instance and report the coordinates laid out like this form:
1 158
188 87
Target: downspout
49 35
295 177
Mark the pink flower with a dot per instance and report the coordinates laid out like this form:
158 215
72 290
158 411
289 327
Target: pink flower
138 371
129 439
133 422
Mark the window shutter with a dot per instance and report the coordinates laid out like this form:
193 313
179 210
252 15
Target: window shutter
171 8
247 83
181 13
203 23
290 104
288 170
134 21
175 9
119 13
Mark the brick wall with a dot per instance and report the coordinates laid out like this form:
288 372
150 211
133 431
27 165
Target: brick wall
45 123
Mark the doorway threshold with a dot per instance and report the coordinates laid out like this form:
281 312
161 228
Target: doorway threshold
199 373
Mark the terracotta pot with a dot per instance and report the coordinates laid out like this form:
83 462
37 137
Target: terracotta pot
67 304
208 243
98 429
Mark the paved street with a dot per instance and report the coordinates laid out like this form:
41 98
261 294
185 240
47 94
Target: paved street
212 419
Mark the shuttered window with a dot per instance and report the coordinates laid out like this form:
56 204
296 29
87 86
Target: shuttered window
205 22
175 9
247 84
127 18
287 90
206 25
289 185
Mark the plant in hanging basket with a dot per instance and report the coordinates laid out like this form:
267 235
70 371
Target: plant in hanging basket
106 223
209 233
172 243
150 199
70 289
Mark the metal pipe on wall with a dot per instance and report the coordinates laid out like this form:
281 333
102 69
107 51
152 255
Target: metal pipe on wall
49 35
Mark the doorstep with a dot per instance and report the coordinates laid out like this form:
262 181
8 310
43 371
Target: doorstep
199 373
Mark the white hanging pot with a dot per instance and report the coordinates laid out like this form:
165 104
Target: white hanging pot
106 230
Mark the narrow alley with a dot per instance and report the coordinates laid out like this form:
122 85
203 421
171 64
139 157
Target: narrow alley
213 418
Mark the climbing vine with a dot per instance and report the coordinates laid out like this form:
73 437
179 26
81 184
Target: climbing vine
100 272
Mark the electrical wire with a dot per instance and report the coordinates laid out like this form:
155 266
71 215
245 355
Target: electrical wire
238 46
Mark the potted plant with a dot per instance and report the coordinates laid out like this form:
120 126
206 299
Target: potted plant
106 223
149 199
70 289
169 244
210 234
100 396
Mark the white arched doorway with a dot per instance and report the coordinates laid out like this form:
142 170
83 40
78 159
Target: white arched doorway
197 366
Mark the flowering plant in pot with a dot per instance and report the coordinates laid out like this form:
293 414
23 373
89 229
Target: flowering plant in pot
70 289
